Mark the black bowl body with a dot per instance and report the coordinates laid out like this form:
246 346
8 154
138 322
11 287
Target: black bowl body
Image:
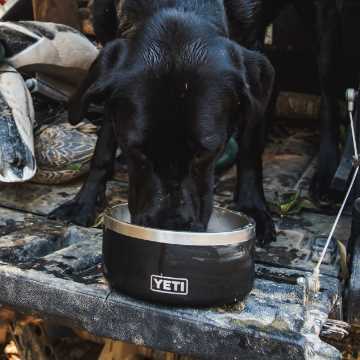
186 275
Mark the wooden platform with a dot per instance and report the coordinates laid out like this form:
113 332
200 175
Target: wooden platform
54 271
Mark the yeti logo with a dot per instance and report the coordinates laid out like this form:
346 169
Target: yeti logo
169 285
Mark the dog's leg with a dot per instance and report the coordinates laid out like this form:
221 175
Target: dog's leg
254 93
329 30
323 18
249 194
96 88
82 209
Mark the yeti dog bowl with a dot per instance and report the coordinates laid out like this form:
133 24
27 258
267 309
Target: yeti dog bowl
180 268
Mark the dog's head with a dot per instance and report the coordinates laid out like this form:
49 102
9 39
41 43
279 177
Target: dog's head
175 96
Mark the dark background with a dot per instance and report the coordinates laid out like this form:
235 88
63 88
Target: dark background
294 56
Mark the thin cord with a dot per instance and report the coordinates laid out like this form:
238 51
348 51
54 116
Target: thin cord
353 136
312 282
317 267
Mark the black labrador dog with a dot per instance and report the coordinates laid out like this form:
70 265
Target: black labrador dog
177 83
176 86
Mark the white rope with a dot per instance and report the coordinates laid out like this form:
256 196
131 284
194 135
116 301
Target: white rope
315 283
317 267
353 136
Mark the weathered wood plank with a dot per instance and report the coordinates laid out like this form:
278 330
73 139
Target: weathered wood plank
56 273
25 238
263 328
80 262
300 239
54 286
42 199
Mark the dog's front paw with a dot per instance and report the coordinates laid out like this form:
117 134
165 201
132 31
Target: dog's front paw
76 212
265 228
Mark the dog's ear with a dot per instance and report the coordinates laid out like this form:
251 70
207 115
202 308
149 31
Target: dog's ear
80 102
103 76
254 79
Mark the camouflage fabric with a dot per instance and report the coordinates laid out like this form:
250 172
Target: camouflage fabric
63 152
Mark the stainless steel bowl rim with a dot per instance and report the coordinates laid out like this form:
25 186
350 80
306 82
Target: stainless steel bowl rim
233 237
